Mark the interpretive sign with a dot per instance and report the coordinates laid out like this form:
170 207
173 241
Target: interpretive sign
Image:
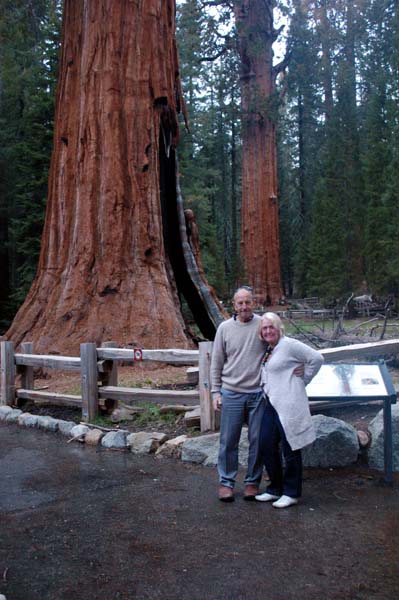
362 383
349 381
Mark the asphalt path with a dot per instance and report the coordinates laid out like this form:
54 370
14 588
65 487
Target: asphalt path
82 523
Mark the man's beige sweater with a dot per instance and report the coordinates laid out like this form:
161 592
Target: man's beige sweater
236 356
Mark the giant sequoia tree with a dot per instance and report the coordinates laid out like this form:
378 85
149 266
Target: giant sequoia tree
115 255
259 215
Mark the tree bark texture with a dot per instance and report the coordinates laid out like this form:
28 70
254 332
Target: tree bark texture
104 272
260 246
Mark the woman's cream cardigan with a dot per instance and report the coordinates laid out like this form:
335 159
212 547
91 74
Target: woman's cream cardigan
286 391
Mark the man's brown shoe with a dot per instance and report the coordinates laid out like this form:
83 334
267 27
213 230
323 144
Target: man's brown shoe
250 492
226 493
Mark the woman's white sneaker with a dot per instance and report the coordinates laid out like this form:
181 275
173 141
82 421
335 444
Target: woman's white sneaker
285 502
266 497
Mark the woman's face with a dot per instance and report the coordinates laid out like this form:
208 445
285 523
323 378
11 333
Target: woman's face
269 332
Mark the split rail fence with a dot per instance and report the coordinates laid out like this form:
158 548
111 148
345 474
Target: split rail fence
99 375
99 389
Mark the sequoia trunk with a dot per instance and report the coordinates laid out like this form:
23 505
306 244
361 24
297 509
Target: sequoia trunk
103 271
260 247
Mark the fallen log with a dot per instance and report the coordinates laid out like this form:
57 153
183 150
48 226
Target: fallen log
126 413
176 408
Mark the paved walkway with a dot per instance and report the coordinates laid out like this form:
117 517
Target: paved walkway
78 523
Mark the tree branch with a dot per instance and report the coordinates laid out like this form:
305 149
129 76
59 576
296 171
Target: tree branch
214 57
206 3
282 65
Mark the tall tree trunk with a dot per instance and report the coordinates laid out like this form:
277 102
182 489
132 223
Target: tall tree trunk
324 29
353 207
4 261
112 262
260 245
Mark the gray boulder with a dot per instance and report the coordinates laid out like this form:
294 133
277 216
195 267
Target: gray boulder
201 450
336 444
4 411
204 449
172 448
114 439
65 427
144 442
12 417
47 423
27 420
376 449
79 432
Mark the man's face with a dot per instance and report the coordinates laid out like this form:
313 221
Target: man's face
243 305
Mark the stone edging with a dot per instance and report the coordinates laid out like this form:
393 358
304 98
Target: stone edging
337 443
138 443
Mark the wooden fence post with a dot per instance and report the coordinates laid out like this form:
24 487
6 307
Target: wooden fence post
89 381
206 406
7 373
109 376
26 372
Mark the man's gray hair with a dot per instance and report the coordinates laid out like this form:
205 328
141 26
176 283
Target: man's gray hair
245 288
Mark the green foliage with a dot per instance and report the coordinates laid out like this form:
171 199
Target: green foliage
209 152
338 157
380 145
151 414
28 66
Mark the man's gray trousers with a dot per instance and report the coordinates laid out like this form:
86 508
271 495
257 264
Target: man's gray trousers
238 409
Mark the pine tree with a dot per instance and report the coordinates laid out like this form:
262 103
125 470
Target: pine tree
380 144
208 151
28 61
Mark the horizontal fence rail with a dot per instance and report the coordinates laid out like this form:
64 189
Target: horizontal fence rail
171 356
124 394
99 376
66 363
49 397
383 348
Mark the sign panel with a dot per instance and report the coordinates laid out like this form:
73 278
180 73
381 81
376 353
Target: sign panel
348 381
361 382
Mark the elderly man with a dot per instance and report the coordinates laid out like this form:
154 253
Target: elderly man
235 376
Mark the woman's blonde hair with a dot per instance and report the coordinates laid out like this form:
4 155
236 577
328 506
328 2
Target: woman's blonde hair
275 321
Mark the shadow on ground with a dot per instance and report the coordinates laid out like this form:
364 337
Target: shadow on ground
76 522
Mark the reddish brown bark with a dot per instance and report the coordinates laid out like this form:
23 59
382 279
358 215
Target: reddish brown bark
103 271
260 246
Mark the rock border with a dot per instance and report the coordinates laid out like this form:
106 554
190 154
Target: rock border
139 443
337 443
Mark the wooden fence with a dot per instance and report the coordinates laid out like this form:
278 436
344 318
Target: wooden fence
99 375
99 378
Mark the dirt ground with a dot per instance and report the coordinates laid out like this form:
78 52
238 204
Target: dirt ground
139 375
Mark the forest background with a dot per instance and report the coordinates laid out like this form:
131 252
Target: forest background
336 109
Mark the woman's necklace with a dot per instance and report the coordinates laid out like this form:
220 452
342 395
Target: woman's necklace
267 354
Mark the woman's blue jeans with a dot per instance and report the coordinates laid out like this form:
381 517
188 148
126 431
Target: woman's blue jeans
238 409
285 479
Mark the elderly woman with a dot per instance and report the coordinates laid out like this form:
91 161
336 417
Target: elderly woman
287 417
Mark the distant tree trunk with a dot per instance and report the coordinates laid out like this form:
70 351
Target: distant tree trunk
259 216
324 28
4 261
112 261
234 192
